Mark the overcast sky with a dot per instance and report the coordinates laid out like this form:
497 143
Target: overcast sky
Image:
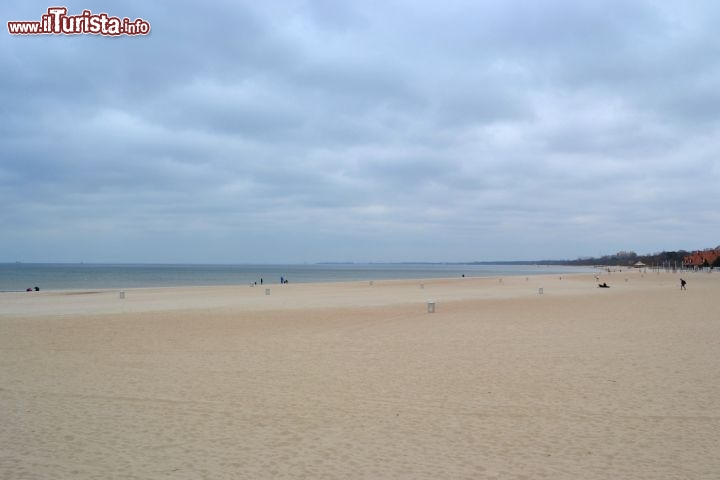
335 130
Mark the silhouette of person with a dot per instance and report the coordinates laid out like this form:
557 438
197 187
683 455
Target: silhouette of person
682 284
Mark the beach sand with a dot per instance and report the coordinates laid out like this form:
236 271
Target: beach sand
359 381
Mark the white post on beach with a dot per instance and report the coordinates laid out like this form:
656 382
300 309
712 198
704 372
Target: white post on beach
431 306
267 291
122 294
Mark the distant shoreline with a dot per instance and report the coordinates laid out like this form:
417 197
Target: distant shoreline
18 277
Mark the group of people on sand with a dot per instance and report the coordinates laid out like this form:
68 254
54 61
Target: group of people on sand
683 284
283 281
36 289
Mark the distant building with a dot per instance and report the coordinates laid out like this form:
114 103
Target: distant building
702 258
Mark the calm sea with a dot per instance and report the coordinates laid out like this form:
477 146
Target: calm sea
19 276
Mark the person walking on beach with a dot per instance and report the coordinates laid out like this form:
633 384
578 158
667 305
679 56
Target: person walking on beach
682 284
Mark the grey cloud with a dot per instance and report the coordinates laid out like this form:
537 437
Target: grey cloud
363 131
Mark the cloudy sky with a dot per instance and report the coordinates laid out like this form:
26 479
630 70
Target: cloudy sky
336 130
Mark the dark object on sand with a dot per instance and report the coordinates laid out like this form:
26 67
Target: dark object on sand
682 284
603 285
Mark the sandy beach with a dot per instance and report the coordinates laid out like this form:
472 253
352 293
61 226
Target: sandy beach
359 381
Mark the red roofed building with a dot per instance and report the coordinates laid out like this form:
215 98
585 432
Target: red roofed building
702 258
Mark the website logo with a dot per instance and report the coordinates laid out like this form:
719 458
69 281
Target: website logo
57 22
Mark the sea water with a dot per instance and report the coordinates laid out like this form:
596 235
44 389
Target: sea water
47 276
